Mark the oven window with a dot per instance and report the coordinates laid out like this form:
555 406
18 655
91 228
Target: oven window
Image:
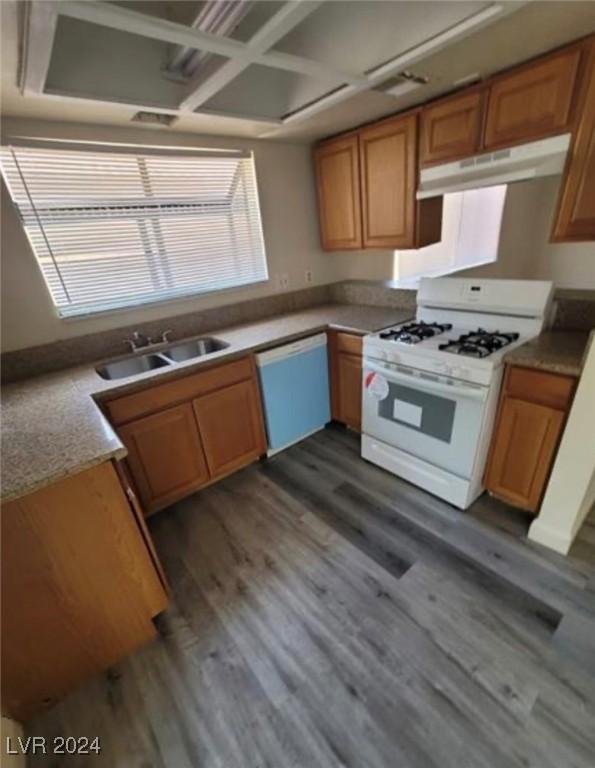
423 412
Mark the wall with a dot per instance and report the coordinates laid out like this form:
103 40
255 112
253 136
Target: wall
524 251
290 224
569 265
570 492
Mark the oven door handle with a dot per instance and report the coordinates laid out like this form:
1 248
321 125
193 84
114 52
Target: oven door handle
474 393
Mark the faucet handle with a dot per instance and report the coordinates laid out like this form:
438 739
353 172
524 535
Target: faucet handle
131 342
165 335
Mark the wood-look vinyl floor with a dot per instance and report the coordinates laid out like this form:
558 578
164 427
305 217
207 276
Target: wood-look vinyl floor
326 613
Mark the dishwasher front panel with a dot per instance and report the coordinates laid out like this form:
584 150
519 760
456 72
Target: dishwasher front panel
294 383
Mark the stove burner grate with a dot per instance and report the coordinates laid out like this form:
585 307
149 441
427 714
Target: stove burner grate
413 333
479 343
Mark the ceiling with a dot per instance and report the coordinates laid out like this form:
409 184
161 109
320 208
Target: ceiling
293 71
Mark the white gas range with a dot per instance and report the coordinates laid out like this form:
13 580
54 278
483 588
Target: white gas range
430 387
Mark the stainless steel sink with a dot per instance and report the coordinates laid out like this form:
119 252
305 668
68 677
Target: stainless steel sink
132 366
186 350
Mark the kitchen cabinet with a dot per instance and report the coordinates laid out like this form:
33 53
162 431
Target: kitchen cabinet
79 587
186 433
345 352
575 218
532 101
231 427
451 128
391 215
531 417
338 184
366 189
165 456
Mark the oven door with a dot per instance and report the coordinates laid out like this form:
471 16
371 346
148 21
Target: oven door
436 418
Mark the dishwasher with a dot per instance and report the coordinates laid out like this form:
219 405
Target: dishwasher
294 383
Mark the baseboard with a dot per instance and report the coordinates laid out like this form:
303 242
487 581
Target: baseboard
550 537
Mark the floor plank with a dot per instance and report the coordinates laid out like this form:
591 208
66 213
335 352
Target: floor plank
326 613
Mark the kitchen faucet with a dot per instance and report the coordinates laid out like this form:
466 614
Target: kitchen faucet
140 341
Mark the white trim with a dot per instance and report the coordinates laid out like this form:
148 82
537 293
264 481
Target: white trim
125 20
550 537
288 17
38 41
131 107
457 32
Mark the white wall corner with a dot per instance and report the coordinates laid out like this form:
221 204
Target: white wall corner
550 536
570 492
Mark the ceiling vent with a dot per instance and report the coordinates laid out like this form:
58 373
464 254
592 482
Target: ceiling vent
154 118
402 83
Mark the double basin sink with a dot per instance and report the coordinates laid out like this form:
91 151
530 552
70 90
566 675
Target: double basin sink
176 353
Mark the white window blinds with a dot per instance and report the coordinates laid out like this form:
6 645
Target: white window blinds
113 229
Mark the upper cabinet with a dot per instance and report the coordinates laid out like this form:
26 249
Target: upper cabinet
532 101
339 204
391 216
367 179
575 218
366 189
451 128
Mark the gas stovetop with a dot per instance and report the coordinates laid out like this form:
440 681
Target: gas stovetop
477 343
467 353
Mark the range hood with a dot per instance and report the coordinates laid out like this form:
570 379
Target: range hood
504 166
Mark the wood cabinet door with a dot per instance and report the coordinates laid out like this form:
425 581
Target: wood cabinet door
389 181
451 128
79 588
349 390
165 456
525 441
339 203
575 219
391 215
533 101
231 427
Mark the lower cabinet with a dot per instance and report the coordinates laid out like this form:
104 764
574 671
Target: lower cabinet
80 586
528 429
182 446
231 428
346 378
165 455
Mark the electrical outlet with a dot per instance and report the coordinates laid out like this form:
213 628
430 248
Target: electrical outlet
283 281
309 276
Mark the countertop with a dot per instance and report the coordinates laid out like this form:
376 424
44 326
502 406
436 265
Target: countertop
555 351
52 426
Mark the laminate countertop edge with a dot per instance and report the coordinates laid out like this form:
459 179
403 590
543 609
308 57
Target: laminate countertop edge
53 426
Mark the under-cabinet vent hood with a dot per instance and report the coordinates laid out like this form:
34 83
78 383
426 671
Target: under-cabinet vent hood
504 166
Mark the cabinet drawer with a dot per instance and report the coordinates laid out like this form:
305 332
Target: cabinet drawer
157 397
350 343
540 387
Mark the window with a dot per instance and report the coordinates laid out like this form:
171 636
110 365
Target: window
471 225
113 229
